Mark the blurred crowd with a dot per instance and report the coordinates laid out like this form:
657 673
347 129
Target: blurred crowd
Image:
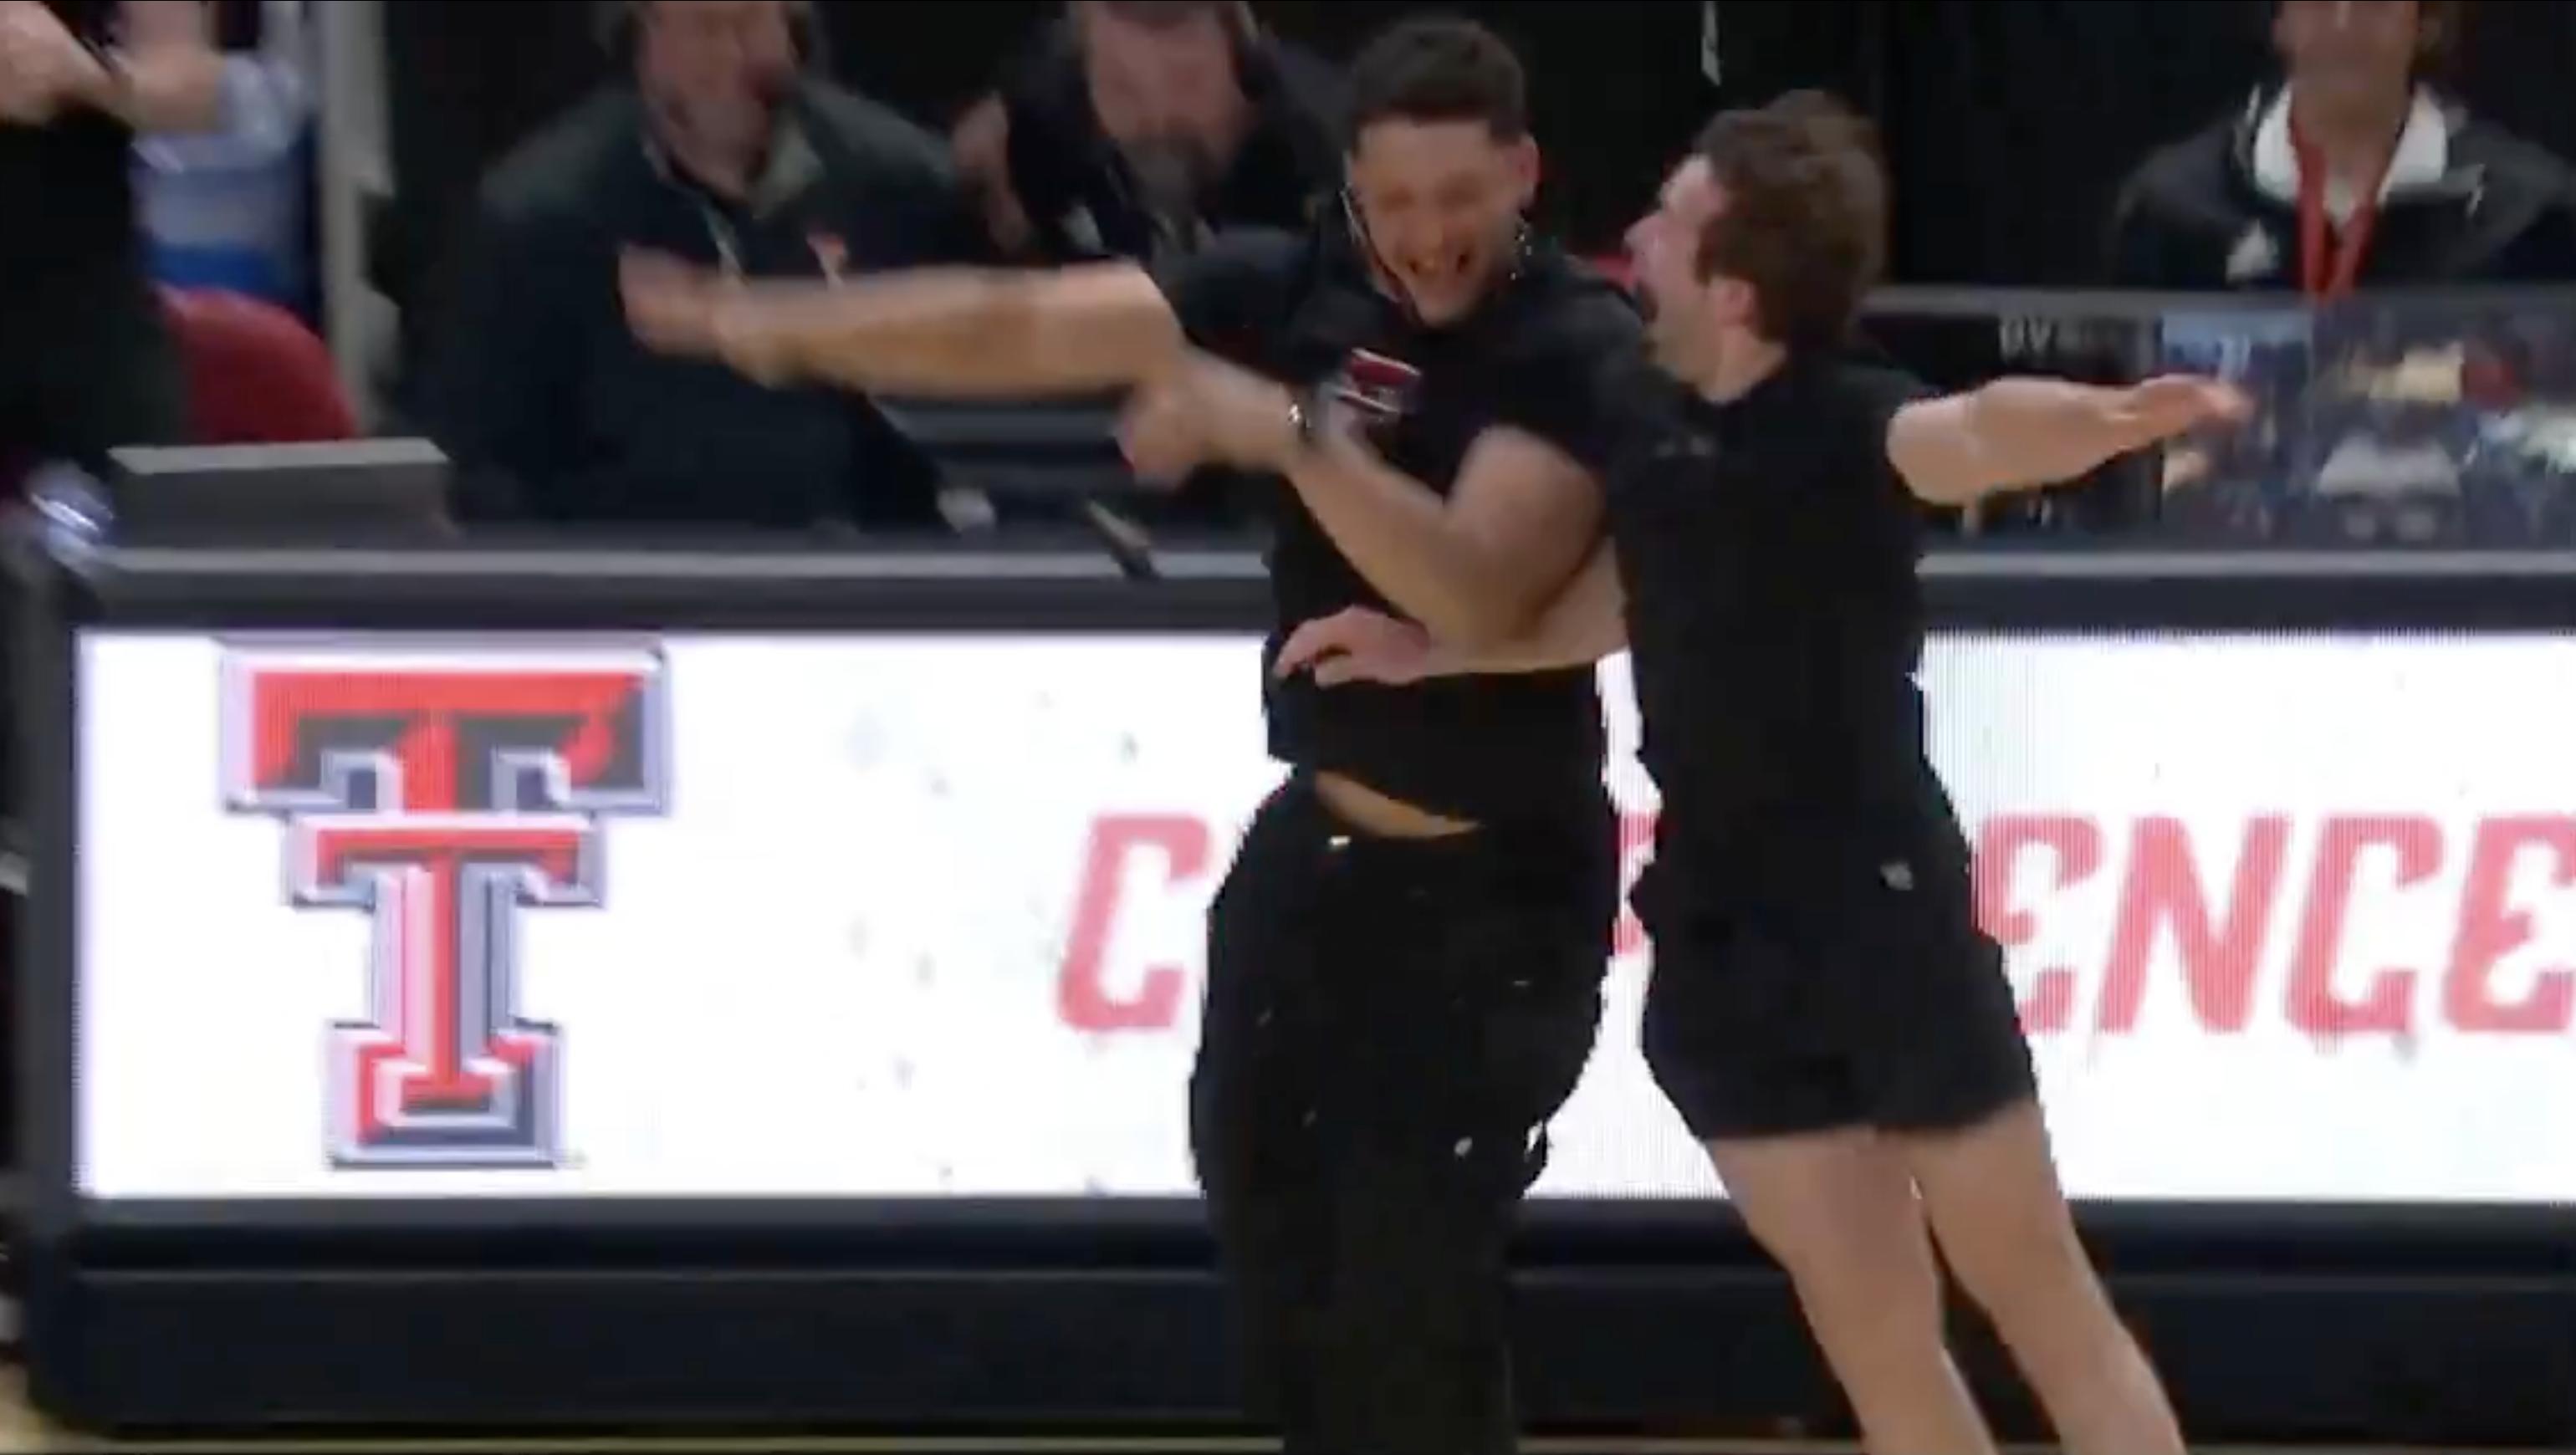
2303 215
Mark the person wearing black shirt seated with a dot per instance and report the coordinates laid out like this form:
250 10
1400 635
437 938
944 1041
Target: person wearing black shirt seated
1136 128
1405 961
1824 1012
724 144
86 361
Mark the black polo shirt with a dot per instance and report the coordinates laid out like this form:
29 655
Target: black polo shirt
1083 203
1775 616
1295 307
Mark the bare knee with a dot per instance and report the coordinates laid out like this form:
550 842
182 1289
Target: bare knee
1868 1281
1991 1196
1839 1215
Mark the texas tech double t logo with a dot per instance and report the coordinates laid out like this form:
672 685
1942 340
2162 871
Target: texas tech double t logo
441 795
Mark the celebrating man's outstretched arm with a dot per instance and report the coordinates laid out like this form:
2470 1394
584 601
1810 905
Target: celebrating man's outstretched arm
2023 433
1477 565
2012 434
939 331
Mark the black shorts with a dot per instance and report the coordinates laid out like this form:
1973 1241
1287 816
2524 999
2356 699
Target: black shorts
1842 981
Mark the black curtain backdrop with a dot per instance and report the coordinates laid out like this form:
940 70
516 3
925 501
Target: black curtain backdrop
2009 122
2009 125
2516 61
236 24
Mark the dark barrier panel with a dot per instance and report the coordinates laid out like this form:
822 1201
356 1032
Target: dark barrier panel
264 1194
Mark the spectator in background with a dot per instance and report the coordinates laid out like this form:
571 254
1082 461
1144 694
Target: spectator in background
86 363
2353 173
726 149
1134 128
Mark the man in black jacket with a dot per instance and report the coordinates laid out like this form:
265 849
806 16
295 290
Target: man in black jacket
1139 129
1134 128
724 151
2353 174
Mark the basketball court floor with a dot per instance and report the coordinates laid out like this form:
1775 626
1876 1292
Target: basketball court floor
22 1431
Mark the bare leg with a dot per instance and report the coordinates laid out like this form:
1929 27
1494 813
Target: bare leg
1992 1194
1837 1209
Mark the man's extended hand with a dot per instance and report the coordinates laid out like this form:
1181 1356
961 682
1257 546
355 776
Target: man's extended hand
2174 404
1161 433
1205 411
670 304
1356 644
44 69
676 307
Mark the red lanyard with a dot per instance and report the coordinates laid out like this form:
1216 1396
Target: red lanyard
2329 262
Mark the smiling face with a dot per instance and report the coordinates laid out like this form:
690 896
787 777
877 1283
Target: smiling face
1442 167
1769 234
1691 313
1441 202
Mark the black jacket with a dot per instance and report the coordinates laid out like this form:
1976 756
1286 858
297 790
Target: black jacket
2195 217
1081 201
553 412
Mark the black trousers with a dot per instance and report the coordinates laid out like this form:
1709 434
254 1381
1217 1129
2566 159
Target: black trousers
1389 1024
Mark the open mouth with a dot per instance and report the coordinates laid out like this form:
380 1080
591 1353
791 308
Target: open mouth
1439 270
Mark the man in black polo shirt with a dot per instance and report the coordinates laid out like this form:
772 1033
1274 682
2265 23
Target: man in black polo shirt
723 142
1136 128
85 362
1825 1013
1405 962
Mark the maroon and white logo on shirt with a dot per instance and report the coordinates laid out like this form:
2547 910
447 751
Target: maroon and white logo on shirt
1379 388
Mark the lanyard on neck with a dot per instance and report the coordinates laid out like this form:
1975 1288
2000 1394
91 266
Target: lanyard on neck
720 228
2330 260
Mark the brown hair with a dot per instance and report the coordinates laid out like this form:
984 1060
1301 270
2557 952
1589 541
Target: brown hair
1436 70
2437 37
1805 214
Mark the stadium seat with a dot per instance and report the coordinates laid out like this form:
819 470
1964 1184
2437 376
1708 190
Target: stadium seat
256 374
